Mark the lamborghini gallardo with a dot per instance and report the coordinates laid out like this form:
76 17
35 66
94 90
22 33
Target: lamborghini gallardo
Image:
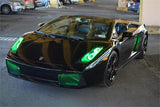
76 51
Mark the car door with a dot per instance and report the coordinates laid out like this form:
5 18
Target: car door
125 45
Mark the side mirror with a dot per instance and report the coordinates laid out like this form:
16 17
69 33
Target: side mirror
41 24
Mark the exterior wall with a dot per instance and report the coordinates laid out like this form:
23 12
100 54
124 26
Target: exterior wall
150 12
122 5
54 3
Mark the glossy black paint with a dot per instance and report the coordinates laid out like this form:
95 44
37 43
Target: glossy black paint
55 53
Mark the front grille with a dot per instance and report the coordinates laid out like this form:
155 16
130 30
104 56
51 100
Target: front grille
49 74
40 72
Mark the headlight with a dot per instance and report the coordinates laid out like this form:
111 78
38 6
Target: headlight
91 55
16 3
17 44
103 57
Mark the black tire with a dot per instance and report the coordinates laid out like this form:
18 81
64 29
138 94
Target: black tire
111 69
6 9
143 48
33 8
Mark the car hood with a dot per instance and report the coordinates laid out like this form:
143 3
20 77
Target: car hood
38 50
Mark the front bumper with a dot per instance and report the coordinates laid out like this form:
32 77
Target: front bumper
45 75
17 8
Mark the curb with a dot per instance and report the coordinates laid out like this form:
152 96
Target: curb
152 29
122 9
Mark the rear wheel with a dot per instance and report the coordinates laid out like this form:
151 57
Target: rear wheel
143 48
6 9
111 69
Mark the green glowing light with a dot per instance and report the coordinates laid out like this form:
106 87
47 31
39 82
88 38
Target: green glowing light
17 43
14 69
69 79
136 43
91 55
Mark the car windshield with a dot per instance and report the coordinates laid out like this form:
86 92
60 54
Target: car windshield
79 27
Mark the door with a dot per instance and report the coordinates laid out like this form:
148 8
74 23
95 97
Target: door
125 45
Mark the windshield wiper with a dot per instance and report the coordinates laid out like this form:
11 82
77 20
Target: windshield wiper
68 37
59 35
45 34
76 38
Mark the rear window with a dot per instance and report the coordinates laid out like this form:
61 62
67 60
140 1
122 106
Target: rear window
133 26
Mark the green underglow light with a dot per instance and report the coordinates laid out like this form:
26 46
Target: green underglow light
91 55
17 43
14 69
136 43
69 79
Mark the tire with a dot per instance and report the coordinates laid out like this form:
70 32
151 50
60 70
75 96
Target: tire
6 9
143 48
111 69
33 8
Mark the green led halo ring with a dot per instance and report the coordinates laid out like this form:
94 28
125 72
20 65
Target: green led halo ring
91 55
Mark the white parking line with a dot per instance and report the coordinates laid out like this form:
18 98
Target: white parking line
8 38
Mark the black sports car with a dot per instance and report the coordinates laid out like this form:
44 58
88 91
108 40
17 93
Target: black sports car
77 50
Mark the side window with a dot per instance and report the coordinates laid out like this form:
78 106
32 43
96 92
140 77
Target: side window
120 28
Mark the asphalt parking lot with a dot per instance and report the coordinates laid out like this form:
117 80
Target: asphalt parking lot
137 84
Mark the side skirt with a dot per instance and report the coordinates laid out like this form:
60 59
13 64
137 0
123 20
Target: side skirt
131 58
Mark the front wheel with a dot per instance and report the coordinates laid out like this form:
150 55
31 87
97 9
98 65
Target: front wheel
111 69
6 9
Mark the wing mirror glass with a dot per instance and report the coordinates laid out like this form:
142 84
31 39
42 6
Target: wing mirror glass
41 24
120 28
